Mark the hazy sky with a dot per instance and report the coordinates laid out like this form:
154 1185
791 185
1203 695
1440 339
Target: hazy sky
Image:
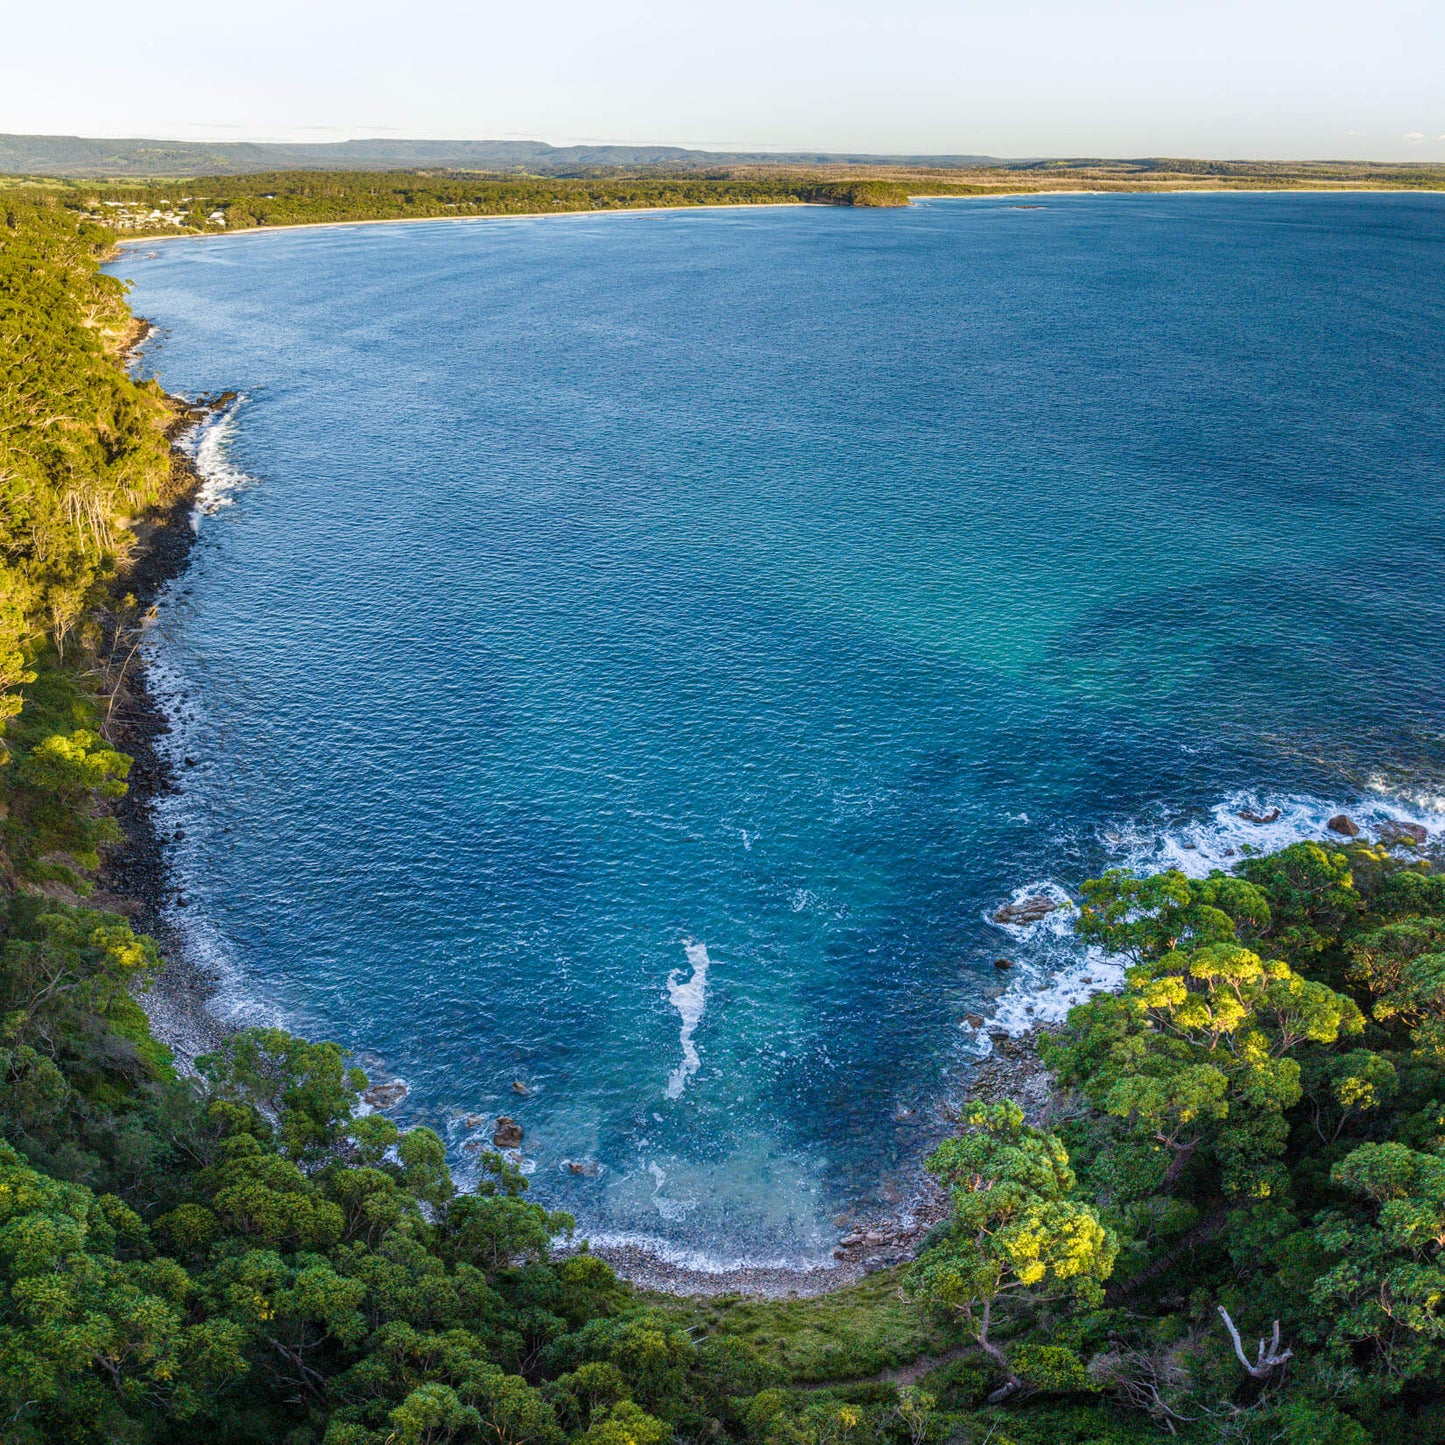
1245 78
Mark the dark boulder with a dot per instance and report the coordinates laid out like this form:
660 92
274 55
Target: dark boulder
1343 824
1026 910
507 1134
384 1096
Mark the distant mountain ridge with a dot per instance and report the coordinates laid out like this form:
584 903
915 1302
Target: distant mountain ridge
64 155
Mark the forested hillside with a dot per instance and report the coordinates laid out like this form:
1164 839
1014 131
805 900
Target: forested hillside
56 155
1230 1227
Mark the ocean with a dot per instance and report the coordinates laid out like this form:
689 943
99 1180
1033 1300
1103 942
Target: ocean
628 659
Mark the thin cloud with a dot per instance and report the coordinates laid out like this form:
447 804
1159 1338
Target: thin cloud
1414 135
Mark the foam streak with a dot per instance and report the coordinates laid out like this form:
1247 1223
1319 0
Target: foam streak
689 999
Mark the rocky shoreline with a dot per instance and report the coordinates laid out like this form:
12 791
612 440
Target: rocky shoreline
136 878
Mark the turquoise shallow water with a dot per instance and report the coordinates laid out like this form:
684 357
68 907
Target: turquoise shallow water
633 655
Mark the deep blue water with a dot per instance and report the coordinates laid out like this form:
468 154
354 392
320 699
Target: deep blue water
756 599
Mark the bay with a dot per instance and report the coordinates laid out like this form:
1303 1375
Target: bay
633 656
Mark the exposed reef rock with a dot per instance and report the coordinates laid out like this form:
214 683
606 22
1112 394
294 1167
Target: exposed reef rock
387 1095
1261 818
1026 910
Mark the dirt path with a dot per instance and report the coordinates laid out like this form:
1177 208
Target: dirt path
904 1375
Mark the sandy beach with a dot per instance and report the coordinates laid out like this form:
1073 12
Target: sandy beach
998 195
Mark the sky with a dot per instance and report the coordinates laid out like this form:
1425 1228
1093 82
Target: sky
1285 79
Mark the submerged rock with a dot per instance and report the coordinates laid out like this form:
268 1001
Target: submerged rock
384 1096
1003 963
585 1168
1396 830
507 1134
974 1021
1342 823
1261 818
1026 910
518 1087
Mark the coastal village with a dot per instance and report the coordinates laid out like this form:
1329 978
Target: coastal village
133 216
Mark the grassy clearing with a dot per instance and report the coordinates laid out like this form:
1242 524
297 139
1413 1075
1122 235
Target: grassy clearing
854 1334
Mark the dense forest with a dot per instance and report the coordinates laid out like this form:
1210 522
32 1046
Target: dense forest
219 203
289 198
1228 1227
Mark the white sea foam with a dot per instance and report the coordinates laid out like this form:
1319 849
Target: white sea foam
1054 970
689 999
690 1257
1226 837
204 944
208 445
672 1210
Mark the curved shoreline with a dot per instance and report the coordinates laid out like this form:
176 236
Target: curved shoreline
999 195
1013 1070
178 1001
137 881
125 241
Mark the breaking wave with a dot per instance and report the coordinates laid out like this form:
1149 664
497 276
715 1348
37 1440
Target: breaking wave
208 445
